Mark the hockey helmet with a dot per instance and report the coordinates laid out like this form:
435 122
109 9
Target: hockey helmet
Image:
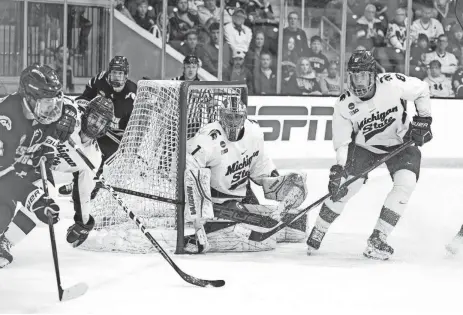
232 114
42 93
118 72
361 70
97 117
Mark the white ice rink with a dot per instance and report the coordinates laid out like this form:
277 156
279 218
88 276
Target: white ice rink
420 279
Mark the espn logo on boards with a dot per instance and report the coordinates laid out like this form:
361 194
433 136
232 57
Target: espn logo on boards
283 119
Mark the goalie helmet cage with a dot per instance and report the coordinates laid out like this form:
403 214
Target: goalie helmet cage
151 159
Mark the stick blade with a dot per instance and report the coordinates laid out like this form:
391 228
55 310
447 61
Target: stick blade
74 292
201 282
259 236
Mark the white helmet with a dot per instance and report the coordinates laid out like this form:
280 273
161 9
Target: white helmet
233 114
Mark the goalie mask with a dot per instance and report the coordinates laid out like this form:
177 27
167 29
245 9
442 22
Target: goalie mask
117 73
361 70
233 114
42 93
97 116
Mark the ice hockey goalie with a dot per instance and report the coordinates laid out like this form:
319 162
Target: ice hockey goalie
222 158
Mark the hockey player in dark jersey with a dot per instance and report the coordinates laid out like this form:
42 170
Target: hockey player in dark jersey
115 85
92 123
32 123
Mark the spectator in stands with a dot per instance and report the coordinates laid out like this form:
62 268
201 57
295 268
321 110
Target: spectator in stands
265 81
417 54
297 33
191 48
448 61
191 66
212 48
381 11
317 59
289 50
142 18
76 19
369 27
457 83
237 34
132 6
445 13
182 21
439 84
392 57
58 64
259 12
427 25
258 44
305 81
456 41
119 6
210 11
331 84
237 71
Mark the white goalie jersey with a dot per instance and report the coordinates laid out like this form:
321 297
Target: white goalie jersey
231 163
67 160
381 121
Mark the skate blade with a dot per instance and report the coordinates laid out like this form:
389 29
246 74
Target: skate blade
74 292
4 262
372 253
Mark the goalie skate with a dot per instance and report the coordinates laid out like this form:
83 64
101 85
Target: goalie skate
377 248
5 257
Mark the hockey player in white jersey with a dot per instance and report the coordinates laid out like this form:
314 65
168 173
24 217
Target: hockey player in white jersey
370 120
221 159
92 122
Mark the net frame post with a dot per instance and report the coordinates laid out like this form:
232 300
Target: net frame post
183 112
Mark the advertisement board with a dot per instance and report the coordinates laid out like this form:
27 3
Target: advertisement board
297 130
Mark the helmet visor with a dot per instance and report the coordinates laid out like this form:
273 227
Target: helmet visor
48 110
361 82
117 78
232 122
94 126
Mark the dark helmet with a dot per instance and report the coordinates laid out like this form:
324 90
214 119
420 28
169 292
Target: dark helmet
361 63
191 60
118 63
97 116
42 92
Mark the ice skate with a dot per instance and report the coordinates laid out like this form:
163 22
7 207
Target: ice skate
314 240
377 248
454 247
5 256
65 190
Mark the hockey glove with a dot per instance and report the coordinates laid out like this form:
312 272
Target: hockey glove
78 232
337 174
66 124
41 205
421 130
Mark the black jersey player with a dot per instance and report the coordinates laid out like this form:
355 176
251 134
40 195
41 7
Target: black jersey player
115 85
32 122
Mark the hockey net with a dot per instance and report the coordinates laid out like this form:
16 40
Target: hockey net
151 159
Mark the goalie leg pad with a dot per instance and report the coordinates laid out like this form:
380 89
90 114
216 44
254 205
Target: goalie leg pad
234 238
198 205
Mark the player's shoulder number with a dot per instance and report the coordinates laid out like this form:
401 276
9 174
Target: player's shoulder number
389 77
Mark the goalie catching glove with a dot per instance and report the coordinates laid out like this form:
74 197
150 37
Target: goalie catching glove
289 189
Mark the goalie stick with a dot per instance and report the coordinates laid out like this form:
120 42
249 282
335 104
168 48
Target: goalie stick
261 236
188 278
78 289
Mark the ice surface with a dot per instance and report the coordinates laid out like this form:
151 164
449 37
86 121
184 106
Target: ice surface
420 279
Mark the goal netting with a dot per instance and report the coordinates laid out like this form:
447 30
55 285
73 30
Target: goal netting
151 159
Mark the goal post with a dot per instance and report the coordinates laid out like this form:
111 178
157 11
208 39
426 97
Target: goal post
151 159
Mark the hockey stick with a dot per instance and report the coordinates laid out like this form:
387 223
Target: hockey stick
78 289
133 217
260 236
